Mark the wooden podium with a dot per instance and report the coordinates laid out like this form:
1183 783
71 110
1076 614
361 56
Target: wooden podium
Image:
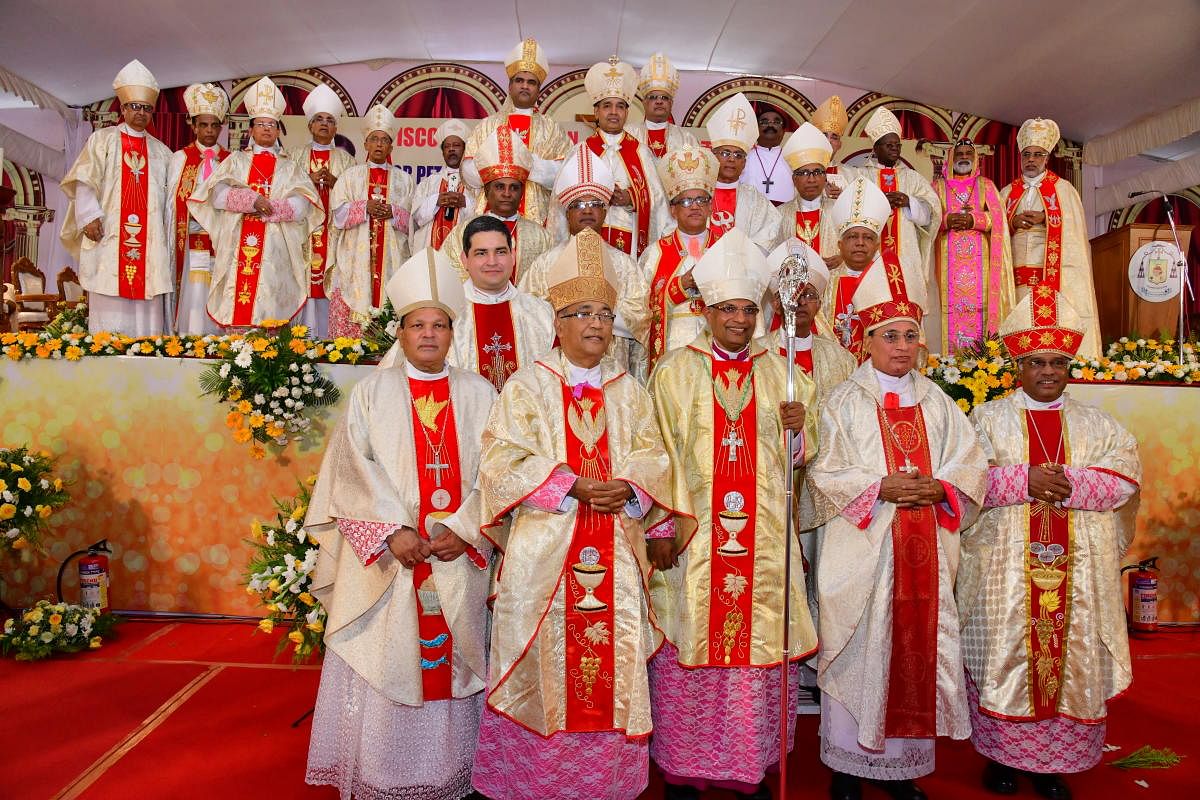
1121 310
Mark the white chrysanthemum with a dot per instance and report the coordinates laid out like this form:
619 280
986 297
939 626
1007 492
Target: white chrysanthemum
243 359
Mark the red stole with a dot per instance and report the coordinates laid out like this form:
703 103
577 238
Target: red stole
442 226
1049 553
724 212
519 124
135 204
912 676
251 239
1050 270
377 189
495 341
735 512
318 241
440 487
846 324
889 237
589 618
183 190
657 141
639 190
804 359
665 292
808 227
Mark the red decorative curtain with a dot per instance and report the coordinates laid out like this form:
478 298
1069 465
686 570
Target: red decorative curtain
441 103
1004 164
1186 213
915 125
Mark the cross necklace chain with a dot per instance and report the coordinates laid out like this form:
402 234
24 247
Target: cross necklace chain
433 452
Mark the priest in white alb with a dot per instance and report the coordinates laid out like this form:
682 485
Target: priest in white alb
402 570
766 169
518 117
657 84
733 131
259 208
118 213
899 475
440 197
190 166
368 209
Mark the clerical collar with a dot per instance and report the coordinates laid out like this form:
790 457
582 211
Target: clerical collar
853 273
373 165
656 126
577 375
612 139
720 354
131 132
513 218
520 112
732 185
476 295
1037 405
323 147
809 205
418 375
802 343
872 161
767 150
258 148
1035 180
901 386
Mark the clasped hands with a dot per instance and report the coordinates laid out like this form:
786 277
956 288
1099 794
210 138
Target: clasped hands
607 497
911 489
1027 219
1048 483
378 209
897 199
960 222
410 549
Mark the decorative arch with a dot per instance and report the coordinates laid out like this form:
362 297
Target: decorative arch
794 106
452 89
295 86
30 191
941 119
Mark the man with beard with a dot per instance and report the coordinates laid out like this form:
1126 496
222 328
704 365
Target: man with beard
765 167
972 264
732 132
440 197
658 85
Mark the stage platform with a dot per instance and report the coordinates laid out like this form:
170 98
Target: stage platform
154 469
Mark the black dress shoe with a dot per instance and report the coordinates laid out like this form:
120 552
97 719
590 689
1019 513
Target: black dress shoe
845 787
901 790
1051 786
672 791
999 778
763 792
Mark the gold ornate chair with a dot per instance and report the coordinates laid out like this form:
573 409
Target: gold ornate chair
34 307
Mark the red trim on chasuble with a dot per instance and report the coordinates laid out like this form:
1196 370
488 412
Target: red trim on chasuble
665 292
912 677
183 190
724 213
442 226
639 190
1049 554
377 189
804 359
889 237
251 240
440 483
1050 272
319 240
589 618
657 141
495 341
808 228
135 205
735 512
846 324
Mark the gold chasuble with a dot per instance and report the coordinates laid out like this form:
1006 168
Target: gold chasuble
1039 589
571 631
723 605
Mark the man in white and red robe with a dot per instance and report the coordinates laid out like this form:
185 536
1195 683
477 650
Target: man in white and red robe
440 197
733 131
658 84
807 215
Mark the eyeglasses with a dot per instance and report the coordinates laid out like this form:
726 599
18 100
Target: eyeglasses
658 98
809 173
688 202
892 337
1059 364
603 317
268 124
809 296
735 155
730 310
581 205
139 107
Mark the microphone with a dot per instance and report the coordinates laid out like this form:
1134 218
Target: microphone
1144 191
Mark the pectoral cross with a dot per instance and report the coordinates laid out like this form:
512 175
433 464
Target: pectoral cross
767 184
733 442
437 466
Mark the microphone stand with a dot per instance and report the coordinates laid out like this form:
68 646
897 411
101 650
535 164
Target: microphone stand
1184 279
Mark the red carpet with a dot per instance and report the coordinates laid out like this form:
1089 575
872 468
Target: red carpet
202 710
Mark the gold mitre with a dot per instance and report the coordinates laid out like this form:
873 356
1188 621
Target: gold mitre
1043 322
583 174
264 100
732 269
881 123
889 294
807 145
830 116
582 272
818 273
452 127
1038 132
205 98
686 168
427 280
135 84
733 124
659 74
503 155
527 56
612 78
379 118
860 205
323 100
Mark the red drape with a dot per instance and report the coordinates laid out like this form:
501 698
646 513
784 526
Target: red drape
441 103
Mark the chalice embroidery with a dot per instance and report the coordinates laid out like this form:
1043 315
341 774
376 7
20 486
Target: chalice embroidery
733 521
589 573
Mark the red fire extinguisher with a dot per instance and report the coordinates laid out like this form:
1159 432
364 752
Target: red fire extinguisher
1143 596
93 575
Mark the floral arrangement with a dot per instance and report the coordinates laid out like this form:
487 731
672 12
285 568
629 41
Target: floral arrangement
974 375
380 331
1129 360
47 344
50 628
29 494
280 574
69 320
268 380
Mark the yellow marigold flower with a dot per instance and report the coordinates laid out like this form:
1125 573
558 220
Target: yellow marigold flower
233 419
242 435
94 643
335 356
23 484
174 348
307 599
299 511
256 420
270 353
3 485
352 358
298 346
245 407
235 394
74 353
7 338
20 543
316 627
42 351
14 352
44 512
56 619
266 625
299 330
1131 346
274 431
260 345
296 636
28 340
146 347
257 451
256 529
343 343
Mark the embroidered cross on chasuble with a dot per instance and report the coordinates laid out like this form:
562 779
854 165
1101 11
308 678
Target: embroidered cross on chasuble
495 341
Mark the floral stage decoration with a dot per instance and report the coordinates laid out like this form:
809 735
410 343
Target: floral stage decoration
29 494
380 330
50 628
280 573
268 379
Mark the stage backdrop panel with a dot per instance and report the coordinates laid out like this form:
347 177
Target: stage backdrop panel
155 471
